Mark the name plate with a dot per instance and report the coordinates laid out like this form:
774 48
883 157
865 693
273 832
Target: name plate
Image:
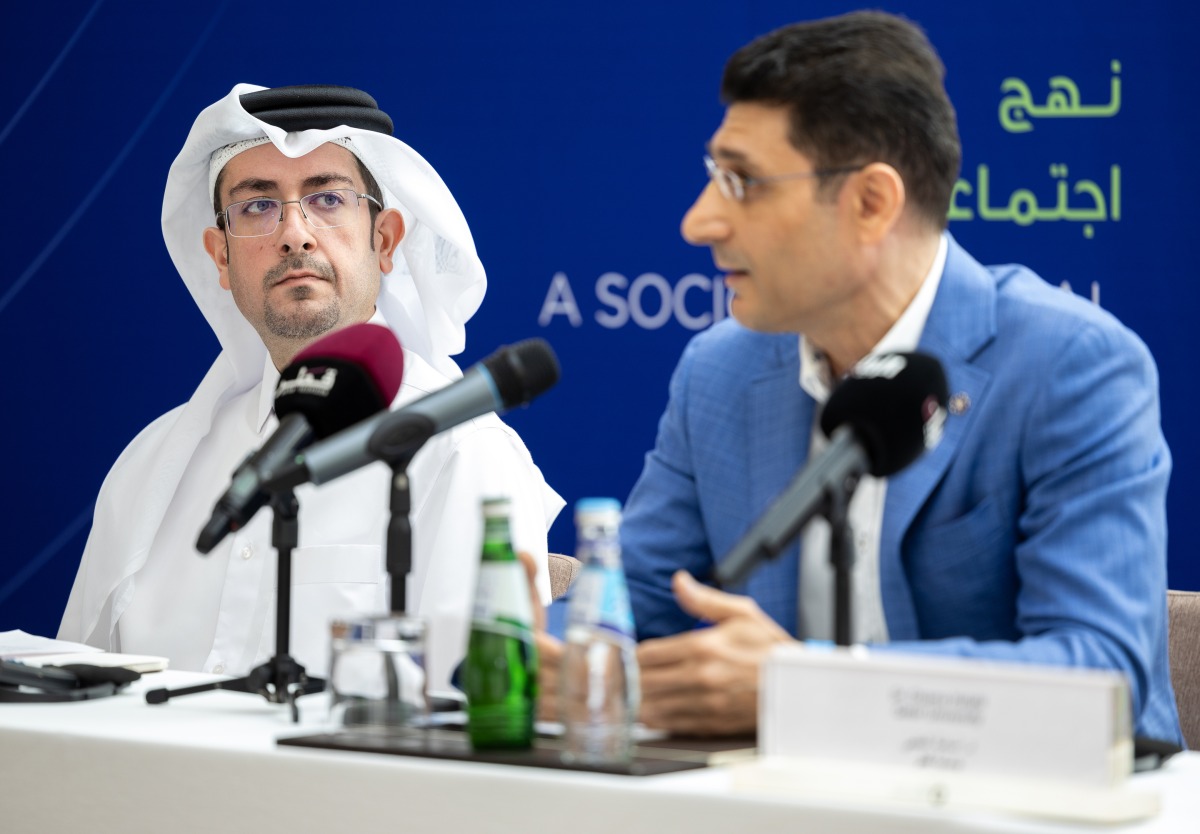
946 715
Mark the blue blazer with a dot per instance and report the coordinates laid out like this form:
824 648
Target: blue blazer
1035 531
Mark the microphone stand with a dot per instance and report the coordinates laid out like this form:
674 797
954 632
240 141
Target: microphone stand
399 532
841 557
832 503
396 444
281 679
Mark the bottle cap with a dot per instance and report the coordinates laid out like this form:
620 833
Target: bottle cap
597 507
495 507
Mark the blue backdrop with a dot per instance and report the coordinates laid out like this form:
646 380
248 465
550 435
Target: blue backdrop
571 135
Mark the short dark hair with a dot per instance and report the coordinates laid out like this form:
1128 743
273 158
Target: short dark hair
369 183
860 88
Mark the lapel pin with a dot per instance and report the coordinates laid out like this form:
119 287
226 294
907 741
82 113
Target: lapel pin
959 403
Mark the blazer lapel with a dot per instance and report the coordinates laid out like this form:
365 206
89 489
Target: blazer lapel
961 322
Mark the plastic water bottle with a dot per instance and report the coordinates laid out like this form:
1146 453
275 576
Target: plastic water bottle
599 676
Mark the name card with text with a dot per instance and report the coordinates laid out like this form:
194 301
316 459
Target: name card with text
946 715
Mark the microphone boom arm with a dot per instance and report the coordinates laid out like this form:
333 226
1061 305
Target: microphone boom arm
809 495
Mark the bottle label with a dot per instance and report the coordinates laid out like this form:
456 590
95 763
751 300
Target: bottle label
502 599
602 600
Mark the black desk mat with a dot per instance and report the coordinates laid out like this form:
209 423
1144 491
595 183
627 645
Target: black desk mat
650 758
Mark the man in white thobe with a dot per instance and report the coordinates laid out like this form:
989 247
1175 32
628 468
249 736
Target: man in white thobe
406 261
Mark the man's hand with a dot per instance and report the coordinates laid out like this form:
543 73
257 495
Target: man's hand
705 682
550 650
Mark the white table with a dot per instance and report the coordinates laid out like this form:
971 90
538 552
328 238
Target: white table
209 762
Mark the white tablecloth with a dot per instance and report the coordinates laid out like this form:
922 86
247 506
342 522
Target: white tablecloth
209 762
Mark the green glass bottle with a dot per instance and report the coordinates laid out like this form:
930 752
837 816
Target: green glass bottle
500 672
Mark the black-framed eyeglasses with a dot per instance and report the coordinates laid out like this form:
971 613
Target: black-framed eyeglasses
323 210
733 186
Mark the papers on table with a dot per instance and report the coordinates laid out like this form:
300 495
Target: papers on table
17 644
33 650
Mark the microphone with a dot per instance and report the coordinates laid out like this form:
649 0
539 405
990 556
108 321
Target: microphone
510 377
882 417
333 383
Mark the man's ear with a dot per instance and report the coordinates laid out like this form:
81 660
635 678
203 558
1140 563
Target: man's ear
389 231
877 200
217 247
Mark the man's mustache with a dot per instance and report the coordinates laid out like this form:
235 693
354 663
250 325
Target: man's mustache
298 263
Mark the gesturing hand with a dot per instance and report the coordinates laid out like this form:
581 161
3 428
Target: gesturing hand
550 650
705 682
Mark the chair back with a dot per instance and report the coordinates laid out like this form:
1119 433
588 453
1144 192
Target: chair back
563 570
1183 608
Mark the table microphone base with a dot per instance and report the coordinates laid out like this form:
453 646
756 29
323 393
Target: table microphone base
281 680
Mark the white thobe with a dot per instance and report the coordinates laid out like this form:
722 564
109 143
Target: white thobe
216 613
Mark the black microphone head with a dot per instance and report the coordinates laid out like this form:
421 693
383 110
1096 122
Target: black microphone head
342 378
896 404
523 371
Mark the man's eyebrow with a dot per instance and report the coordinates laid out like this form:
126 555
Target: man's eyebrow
255 185
727 155
319 180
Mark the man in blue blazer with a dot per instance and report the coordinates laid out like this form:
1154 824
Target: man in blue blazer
1035 532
